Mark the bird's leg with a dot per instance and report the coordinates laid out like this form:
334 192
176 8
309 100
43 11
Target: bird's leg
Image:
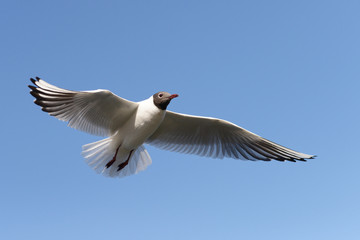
114 158
122 165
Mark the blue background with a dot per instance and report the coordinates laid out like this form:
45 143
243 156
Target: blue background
286 70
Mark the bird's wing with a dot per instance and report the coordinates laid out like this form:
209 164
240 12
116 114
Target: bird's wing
98 112
217 138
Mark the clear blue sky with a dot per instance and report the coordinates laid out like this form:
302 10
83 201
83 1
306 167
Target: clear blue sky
286 70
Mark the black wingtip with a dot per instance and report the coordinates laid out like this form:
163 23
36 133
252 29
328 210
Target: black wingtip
39 102
33 81
34 94
32 87
37 78
302 159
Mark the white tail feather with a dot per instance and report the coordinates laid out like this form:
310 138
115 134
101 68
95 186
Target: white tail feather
98 154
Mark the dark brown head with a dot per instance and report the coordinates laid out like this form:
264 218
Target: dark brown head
162 99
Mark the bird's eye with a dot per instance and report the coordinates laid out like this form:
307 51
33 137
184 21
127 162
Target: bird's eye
160 95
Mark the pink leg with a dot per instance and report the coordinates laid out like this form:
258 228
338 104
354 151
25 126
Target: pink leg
122 165
114 158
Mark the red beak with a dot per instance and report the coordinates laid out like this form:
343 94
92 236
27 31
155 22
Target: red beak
173 96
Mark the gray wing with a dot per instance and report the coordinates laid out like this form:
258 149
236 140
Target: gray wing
217 138
98 112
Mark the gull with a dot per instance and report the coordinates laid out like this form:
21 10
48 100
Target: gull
129 125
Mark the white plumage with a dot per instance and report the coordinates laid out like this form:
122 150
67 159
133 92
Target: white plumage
128 125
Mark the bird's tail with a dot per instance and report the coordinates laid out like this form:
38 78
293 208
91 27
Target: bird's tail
99 154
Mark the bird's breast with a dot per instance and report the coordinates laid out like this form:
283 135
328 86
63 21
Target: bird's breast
145 122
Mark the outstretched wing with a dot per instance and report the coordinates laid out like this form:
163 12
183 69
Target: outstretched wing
98 112
217 138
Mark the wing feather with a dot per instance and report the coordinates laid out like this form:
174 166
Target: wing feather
98 112
217 138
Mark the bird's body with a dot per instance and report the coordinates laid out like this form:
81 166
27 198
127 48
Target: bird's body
129 125
141 125
133 133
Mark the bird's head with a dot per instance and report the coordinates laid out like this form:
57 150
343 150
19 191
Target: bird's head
162 99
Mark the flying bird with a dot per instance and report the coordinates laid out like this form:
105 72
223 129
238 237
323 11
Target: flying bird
129 125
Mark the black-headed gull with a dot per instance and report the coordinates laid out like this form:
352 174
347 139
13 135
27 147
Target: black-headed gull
129 125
